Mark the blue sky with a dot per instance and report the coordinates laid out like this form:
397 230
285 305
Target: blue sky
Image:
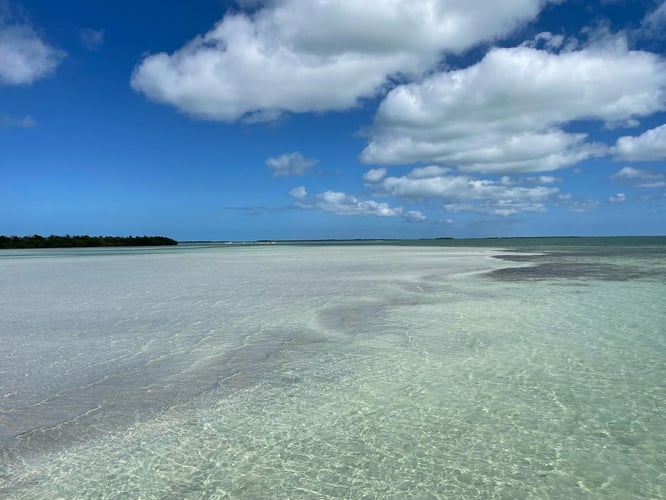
285 119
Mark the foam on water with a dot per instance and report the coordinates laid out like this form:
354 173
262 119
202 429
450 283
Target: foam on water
328 373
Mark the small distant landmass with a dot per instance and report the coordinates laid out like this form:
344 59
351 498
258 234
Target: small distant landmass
67 241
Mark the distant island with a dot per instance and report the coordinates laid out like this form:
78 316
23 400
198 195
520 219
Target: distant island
67 241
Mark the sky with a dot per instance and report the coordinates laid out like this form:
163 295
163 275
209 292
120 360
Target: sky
310 119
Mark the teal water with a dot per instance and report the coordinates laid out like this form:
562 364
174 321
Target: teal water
357 371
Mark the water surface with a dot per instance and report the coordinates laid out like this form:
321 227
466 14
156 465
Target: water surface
349 371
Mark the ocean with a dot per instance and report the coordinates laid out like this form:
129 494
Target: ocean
504 368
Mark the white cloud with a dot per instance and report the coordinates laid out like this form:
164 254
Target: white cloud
640 177
91 39
649 146
427 172
340 203
345 204
618 198
298 193
630 123
654 22
466 193
545 40
374 175
577 204
317 55
7 121
505 114
530 180
543 179
290 164
415 216
24 56
500 207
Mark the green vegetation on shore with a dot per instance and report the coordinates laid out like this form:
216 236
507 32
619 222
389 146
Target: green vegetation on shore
53 241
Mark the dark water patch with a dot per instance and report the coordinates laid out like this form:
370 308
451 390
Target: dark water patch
571 271
352 319
606 251
643 253
369 318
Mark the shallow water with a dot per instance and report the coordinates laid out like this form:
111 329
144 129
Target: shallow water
333 372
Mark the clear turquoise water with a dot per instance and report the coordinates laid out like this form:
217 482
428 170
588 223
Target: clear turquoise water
334 372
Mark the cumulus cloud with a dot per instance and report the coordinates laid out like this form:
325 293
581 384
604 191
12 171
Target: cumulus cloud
506 113
298 193
374 175
317 55
496 207
618 198
91 39
344 204
466 193
640 177
427 172
24 55
290 164
415 216
649 146
340 203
